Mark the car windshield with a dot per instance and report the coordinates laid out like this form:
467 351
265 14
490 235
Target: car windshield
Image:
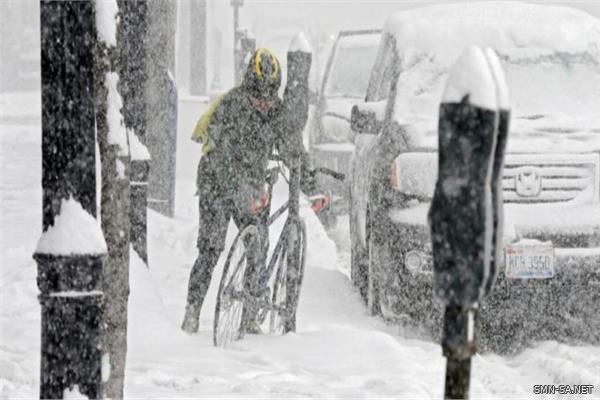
560 88
349 74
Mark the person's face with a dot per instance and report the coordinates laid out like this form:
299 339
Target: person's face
261 104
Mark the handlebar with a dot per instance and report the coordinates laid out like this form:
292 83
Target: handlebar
318 170
326 171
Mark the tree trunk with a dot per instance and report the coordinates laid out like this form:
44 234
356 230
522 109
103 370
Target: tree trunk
114 212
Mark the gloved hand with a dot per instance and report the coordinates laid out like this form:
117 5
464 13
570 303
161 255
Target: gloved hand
257 205
249 199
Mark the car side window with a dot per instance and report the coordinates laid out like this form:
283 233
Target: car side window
383 71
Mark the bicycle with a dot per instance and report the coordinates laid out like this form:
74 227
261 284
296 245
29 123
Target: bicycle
283 272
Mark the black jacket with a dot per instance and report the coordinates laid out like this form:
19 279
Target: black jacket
238 141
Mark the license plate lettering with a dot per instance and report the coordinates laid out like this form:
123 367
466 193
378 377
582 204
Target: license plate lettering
527 261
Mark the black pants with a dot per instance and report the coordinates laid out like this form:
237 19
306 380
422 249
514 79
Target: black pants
215 213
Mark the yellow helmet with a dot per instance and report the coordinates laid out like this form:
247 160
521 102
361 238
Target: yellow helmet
263 75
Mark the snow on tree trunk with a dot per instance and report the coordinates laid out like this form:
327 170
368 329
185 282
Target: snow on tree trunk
115 200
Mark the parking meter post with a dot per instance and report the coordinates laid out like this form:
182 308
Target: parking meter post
138 214
69 270
461 214
237 35
171 162
459 343
295 100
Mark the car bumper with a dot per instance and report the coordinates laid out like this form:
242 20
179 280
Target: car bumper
566 306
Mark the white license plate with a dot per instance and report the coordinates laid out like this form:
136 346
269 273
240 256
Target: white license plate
524 261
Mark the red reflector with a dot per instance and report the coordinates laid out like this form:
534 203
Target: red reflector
394 176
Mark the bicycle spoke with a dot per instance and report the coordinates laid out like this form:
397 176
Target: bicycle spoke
232 299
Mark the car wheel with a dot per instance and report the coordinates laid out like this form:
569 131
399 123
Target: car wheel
358 259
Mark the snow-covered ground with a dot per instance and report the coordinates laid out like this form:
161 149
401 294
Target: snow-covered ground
338 351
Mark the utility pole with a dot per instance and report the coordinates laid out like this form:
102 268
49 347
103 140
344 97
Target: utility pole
237 36
198 25
71 249
161 135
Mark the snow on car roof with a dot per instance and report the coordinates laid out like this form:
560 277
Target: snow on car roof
549 54
519 29
370 39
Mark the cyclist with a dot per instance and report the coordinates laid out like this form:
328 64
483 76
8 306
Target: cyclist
239 132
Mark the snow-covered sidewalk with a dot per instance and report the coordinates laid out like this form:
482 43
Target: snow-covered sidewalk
338 350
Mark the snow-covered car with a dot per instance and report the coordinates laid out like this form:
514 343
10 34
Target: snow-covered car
330 137
551 177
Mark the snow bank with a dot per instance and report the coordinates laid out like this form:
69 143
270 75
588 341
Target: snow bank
74 231
472 78
116 127
106 21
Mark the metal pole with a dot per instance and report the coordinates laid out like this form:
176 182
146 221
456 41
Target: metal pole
198 47
70 282
459 343
160 61
236 51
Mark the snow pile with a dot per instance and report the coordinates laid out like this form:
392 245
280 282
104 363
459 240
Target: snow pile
74 231
472 78
116 128
106 21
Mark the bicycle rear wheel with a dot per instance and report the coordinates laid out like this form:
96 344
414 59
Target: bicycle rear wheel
290 257
232 293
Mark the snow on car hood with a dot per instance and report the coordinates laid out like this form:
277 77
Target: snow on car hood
533 134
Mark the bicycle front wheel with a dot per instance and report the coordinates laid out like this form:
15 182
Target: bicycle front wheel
232 293
290 258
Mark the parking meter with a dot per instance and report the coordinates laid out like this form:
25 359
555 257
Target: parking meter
295 102
466 206
296 94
